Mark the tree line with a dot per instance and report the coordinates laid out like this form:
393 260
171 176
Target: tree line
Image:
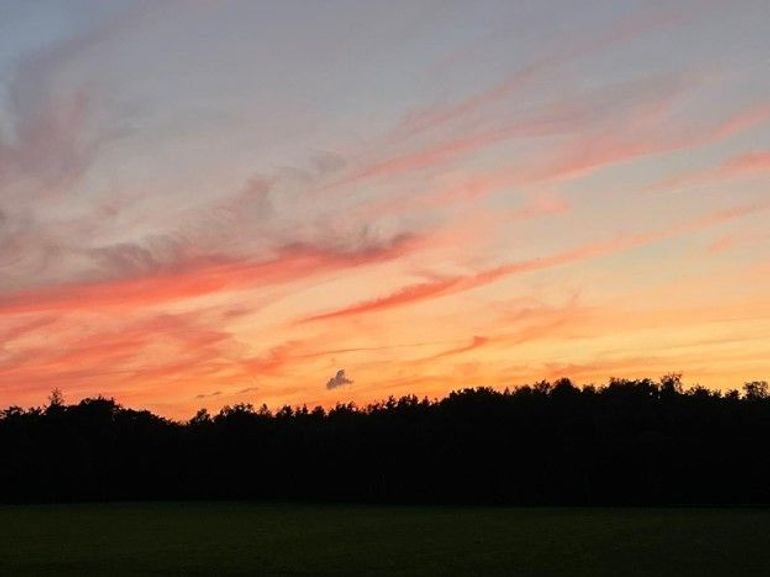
631 442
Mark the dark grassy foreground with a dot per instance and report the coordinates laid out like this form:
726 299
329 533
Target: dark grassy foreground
228 539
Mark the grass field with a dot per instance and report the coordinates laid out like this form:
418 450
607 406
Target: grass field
240 539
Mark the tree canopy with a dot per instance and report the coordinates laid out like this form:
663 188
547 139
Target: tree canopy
627 442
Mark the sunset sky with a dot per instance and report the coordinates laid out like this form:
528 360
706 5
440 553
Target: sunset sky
204 203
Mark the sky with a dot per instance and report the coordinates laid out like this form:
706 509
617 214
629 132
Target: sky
208 203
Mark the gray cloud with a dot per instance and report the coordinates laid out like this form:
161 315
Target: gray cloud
338 380
55 126
56 122
59 121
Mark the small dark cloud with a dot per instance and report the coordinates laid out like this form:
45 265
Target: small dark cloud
248 390
338 380
206 395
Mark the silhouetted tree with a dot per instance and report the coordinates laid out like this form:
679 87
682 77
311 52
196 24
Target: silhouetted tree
55 400
755 390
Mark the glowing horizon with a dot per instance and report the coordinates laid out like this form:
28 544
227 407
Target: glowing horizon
210 203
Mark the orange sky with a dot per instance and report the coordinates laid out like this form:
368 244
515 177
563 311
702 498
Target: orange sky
210 203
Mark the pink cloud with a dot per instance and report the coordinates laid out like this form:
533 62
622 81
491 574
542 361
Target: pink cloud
591 153
213 277
622 31
439 288
476 343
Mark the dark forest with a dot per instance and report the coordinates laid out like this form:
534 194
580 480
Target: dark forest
629 442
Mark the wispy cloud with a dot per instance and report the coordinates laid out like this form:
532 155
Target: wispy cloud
476 342
745 164
439 288
565 51
192 281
